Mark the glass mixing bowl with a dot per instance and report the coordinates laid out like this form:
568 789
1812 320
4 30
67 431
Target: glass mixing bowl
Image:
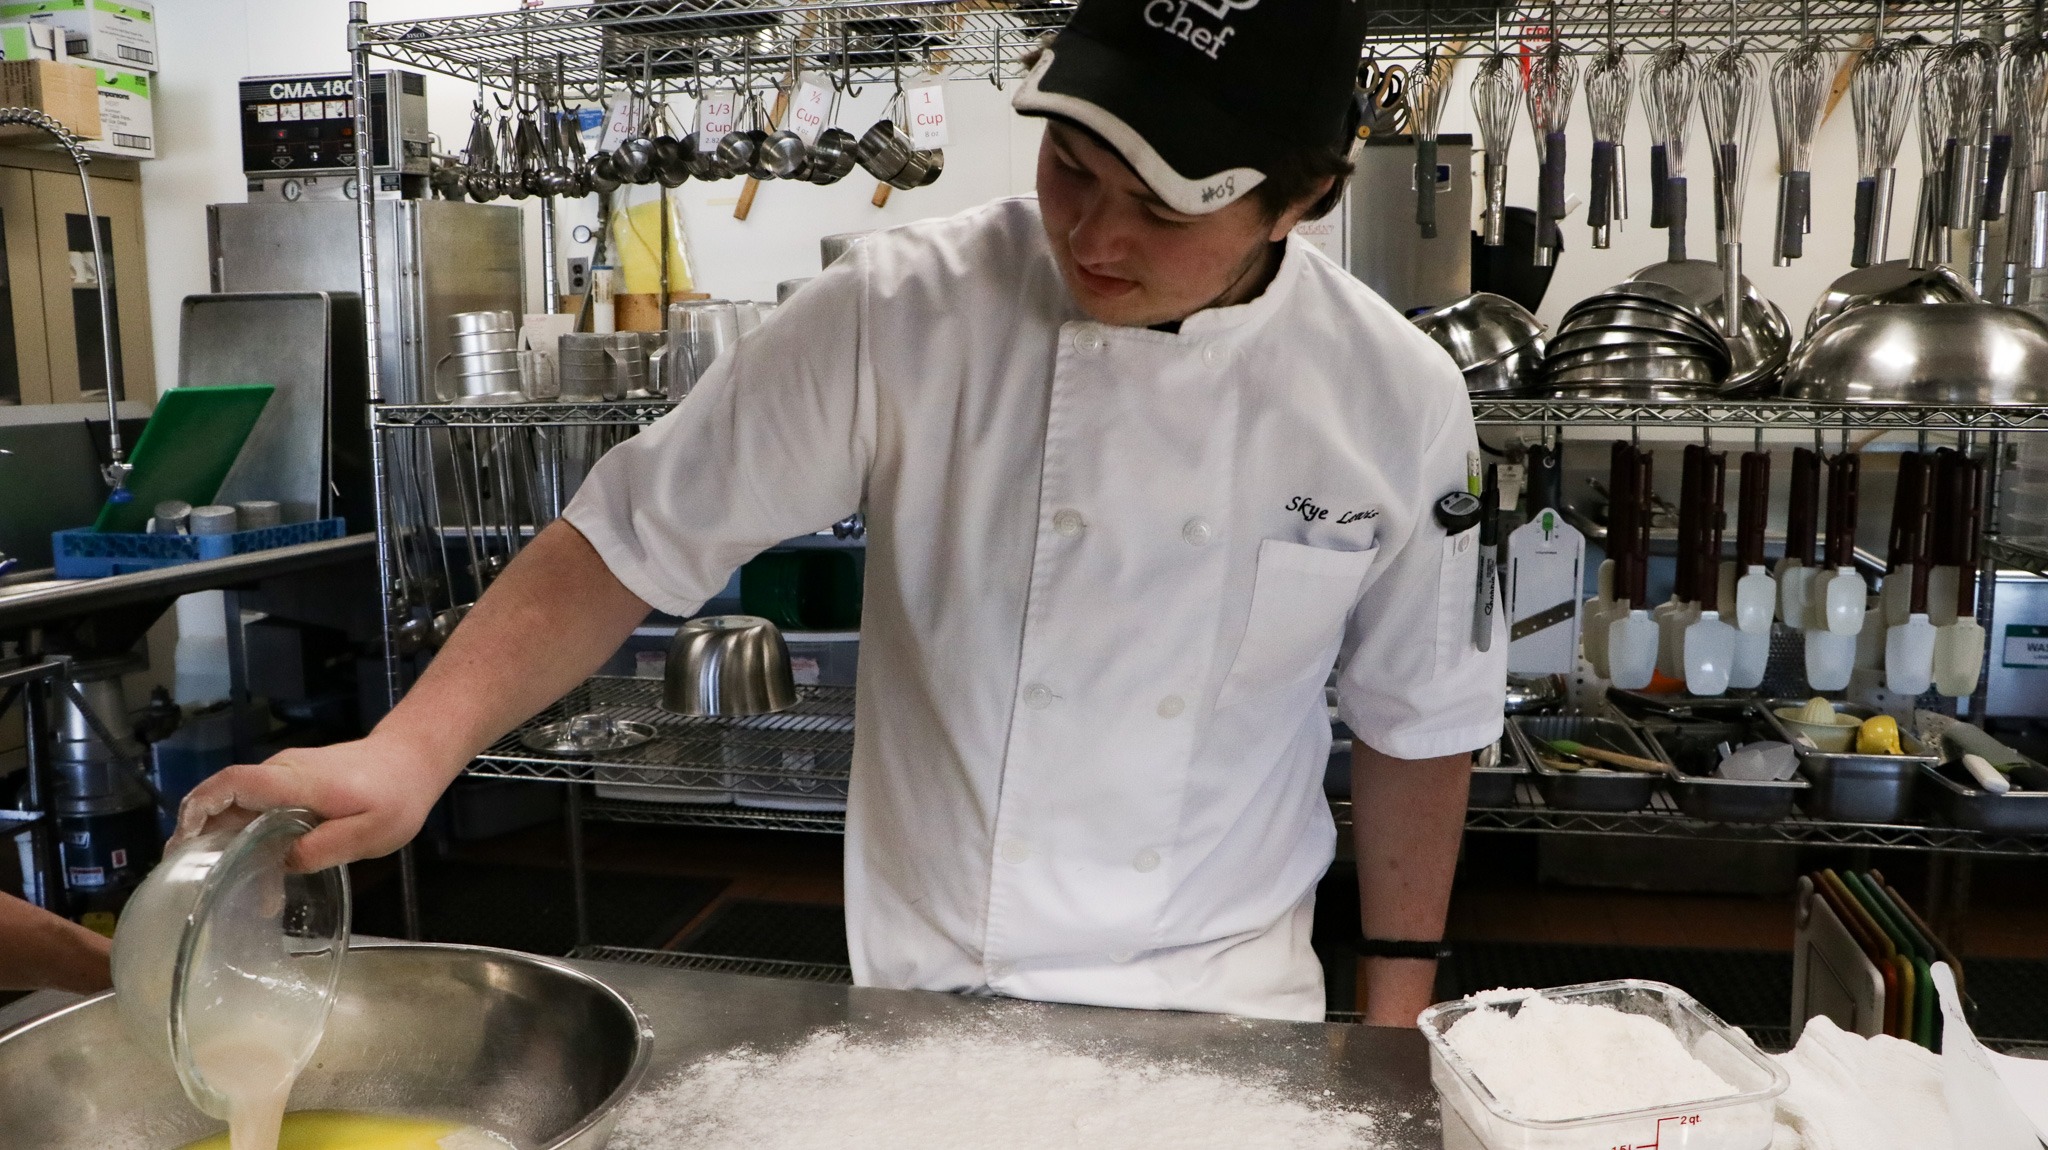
222 955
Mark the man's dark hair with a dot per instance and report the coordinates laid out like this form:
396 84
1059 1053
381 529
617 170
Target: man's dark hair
1297 174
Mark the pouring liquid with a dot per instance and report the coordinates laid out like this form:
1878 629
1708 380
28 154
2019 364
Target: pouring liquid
351 1130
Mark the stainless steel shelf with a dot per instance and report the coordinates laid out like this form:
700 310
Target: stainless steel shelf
1751 413
726 43
720 963
755 42
2029 557
610 413
725 817
1663 820
811 742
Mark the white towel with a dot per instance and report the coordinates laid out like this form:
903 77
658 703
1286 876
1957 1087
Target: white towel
1855 1093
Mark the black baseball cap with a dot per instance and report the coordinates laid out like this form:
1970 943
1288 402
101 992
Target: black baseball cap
1201 97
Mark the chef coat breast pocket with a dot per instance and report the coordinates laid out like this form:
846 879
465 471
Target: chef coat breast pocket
1301 597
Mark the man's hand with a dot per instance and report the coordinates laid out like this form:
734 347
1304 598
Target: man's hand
373 793
1407 822
554 616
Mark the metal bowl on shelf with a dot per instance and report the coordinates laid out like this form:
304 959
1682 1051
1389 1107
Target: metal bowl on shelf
728 666
1480 329
1964 354
1518 371
1757 355
527 1047
1888 283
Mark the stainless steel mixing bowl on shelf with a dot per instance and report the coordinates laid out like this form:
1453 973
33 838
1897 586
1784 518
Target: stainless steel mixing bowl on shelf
1889 282
532 1049
1757 355
1967 354
1494 341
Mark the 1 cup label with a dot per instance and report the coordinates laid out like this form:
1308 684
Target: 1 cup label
926 110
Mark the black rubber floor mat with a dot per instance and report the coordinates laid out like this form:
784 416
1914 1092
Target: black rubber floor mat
531 908
781 931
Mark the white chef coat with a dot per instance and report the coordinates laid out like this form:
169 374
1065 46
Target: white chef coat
1109 570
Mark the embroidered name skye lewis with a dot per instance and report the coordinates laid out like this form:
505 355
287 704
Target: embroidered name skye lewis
1313 512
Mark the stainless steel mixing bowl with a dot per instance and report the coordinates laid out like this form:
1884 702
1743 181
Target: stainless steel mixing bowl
1759 353
530 1048
1941 353
1481 329
1518 370
1890 282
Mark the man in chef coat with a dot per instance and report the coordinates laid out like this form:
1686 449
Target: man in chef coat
1138 470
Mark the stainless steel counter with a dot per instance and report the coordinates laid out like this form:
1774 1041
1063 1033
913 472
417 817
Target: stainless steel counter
1383 1071
694 1013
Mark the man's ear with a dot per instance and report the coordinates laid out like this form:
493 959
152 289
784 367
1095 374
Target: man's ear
1287 220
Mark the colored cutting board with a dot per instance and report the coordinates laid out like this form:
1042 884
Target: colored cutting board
186 449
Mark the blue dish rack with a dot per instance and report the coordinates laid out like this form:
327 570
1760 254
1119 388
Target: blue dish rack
83 553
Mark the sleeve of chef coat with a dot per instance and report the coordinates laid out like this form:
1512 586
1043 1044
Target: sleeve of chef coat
774 442
1410 682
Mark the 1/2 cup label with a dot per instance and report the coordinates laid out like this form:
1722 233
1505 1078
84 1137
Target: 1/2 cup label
808 107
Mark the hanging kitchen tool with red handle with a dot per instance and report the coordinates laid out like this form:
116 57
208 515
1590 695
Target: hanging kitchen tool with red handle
1632 638
1959 647
1909 644
1756 595
1709 642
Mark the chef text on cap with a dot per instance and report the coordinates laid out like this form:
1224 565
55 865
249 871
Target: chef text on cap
1173 16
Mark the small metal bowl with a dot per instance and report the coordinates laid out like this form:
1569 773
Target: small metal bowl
728 665
1889 282
1518 370
1969 354
1480 329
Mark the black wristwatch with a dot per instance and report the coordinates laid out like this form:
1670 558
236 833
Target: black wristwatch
1403 948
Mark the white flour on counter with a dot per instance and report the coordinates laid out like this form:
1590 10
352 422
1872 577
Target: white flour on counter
1554 1060
953 1091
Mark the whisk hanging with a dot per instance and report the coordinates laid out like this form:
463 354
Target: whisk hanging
1496 91
1877 95
1668 85
1608 85
1799 93
1428 90
1549 94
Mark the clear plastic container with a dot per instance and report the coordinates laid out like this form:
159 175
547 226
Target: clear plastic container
1473 1119
226 963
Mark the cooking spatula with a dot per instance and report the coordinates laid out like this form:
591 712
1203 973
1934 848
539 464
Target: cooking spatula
1682 609
1959 647
1609 604
1632 638
1756 595
1709 642
1831 655
1909 646
1796 570
1846 591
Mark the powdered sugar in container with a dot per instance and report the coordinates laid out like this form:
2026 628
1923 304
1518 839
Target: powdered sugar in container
1474 1119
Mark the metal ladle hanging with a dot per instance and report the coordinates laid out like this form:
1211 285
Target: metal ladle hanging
1728 101
1799 93
1608 86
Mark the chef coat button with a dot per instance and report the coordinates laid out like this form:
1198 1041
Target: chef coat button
1067 522
1122 956
1016 851
1171 706
1038 696
1195 531
1211 356
1147 861
1088 339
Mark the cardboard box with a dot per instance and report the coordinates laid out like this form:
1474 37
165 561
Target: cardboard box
127 113
26 40
65 90
118 32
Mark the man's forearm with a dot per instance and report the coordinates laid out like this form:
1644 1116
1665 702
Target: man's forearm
554 616
40 951
1407 818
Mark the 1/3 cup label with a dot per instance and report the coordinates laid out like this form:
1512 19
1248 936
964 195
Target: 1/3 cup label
717 116
925 108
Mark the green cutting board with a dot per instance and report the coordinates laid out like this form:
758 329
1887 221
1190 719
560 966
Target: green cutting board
186 449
